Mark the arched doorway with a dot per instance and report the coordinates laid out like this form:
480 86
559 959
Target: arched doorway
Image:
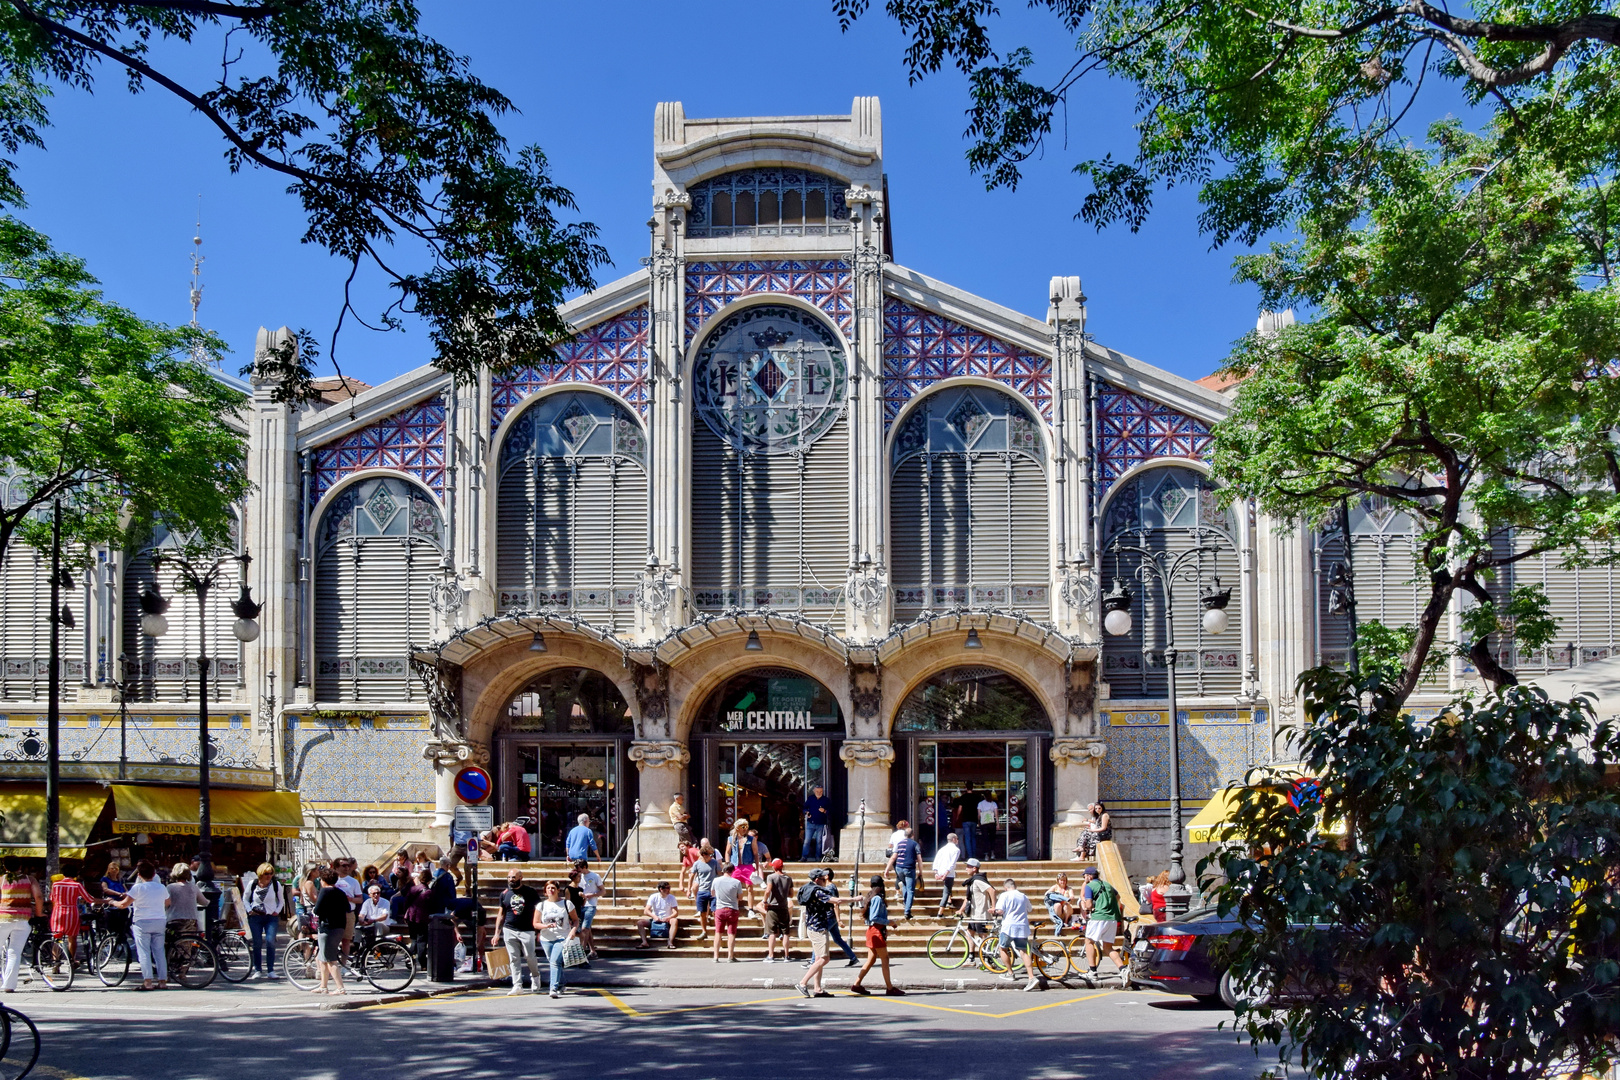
973 737
561 752
763 741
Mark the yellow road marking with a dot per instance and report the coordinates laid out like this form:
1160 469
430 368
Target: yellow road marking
638 1014
619 1004
45 1070
997 1016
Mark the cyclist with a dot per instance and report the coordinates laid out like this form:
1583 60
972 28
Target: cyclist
1100 902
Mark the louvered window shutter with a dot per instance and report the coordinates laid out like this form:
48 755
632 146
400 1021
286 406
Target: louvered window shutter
715 483
25 629
1030 540
950 515
908 536
165 669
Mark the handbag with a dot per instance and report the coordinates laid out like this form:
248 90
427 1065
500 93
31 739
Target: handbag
574 953
498 962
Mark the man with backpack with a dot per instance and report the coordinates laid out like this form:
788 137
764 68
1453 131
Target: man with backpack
1100 902
820 917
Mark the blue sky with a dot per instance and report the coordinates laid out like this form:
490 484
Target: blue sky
119 180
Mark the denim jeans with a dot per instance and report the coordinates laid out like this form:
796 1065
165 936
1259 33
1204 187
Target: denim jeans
970 839
554 957
150 949
908 886
838 939
815 838
264 929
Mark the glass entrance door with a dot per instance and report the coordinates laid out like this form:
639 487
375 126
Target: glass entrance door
557 783
766 782
978 790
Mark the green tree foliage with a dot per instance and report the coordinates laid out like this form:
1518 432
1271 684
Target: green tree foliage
1469 924
105 411
1450 371
384 135
1266 106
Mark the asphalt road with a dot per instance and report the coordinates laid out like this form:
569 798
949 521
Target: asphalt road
641 1032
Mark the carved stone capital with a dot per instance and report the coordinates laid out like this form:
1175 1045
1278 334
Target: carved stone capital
659 754
652 697
455 755
1077 751
868 753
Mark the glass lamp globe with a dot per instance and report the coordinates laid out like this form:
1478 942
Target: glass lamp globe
154 625
245 630
1117 623
1216 621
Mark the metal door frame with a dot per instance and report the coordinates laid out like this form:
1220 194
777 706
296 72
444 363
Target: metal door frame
509 781
1036 829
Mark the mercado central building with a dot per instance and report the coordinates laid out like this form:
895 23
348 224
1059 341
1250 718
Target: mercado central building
783 512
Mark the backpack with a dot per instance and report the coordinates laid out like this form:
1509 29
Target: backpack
1104 897
810 901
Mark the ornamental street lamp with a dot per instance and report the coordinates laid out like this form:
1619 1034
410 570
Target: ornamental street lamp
201 576
1166 570
59 616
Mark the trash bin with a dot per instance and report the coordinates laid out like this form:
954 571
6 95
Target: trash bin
441 948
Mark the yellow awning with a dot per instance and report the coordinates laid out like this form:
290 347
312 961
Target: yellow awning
22 818
1215 823
232 813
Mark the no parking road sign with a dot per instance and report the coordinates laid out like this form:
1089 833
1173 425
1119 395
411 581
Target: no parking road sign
472 784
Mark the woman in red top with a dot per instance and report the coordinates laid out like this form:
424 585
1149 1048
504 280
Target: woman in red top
67 893
1156 894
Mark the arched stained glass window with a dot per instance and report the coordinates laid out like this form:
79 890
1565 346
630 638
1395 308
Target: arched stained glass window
968 505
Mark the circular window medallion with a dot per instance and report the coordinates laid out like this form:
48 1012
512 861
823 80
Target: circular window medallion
770 379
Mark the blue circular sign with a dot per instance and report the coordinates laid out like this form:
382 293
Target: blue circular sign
472 784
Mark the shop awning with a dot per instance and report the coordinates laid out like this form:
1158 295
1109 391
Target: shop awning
1217 820
22 818
233 813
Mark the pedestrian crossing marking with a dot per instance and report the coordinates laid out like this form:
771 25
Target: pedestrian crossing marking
995 1016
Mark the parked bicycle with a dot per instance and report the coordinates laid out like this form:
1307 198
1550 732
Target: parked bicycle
192 961
952 948
385 964
55 960
17 1028
1058 957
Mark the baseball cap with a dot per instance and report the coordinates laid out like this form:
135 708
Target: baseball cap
820 872
776 864
973 862
1090 871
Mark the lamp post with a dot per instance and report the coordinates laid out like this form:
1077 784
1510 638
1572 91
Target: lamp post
60 616
121 684
201 577
1166 570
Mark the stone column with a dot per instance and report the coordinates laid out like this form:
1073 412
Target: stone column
1075 788
449 758
1074 583
867 584
868 762
271 536
660 599
662 763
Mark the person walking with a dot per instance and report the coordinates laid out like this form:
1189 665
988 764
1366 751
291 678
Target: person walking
701 875
820 916
816 808
727 911
149 903
332 911
556 923
904 856
662 907
514 926
743 853
264 904
778 913
581 842
945 870
418 895
1013 907
833 932
962 820
20 900
590 892
978 899
356 894
1100 902
67 894
877 940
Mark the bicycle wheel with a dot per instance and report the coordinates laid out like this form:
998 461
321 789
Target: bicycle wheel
948 949
990 956
388 966
298 961
21 1035
234 959
54 964
192 963
111 960
1053 959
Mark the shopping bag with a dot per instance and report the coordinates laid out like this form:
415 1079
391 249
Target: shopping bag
574 953
498 962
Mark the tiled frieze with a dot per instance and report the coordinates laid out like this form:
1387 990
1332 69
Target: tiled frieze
1132 429
613 354
410 441
921 348
826 283
367 762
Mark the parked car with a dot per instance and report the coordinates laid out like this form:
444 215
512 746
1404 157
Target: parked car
1178 957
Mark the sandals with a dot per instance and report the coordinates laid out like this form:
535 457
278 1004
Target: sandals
857 988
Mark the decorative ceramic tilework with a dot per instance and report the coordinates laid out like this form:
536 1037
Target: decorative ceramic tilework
1137 765
921 348
361 761
162 739
410 441
710 286
1133 429
613 355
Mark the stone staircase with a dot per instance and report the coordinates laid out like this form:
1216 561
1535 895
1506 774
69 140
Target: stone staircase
622 905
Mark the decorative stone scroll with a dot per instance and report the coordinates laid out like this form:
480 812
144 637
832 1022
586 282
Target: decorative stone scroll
1077 751
867 753
455 754
659 754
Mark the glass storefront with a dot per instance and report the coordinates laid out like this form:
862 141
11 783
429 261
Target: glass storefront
761 743
562 753
975 740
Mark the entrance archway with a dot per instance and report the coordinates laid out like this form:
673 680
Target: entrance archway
561 751
763 740
974 740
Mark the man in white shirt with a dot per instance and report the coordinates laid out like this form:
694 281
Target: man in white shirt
662 907
590 891
945 870
351 888
1013 907
375 916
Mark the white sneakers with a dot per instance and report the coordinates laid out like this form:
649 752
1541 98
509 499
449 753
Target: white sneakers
1032 986
515 991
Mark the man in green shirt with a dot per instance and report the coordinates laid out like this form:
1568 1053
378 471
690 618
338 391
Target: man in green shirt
1100 902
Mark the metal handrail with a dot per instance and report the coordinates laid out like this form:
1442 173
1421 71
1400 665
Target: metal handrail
613 866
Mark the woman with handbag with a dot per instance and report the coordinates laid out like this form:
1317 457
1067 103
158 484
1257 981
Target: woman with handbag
556 924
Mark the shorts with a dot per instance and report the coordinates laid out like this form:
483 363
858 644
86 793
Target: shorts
1016 944
744 874
726 919
327 941
587 916
877 937
818 943
1102 931
348 926
705 902
777 921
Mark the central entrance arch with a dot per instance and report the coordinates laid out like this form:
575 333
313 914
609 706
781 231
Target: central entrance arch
762 741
